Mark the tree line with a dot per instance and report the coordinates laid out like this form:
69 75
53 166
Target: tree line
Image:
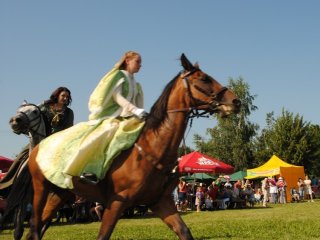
243 144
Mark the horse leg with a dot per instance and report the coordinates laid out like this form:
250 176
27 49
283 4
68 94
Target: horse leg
54 202
21 214
110 218
18 223
41 192
19 218
166 210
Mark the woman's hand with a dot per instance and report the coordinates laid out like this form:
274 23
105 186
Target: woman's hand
140 113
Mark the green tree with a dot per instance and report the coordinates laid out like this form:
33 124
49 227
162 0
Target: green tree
231 140
313 163
290 138
262 151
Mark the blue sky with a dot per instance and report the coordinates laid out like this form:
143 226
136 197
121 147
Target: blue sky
273 45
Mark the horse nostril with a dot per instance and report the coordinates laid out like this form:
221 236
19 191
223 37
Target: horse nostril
237 102
15 120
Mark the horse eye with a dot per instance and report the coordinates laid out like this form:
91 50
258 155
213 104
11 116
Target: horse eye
206 80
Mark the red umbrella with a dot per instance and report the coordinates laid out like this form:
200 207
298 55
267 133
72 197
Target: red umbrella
5 163
201 163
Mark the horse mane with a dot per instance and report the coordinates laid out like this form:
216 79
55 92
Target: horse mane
158 112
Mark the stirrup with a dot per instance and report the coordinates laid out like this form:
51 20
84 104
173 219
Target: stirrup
89 178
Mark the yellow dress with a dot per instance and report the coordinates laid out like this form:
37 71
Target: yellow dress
91 146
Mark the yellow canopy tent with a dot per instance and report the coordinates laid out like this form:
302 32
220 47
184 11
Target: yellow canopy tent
276 167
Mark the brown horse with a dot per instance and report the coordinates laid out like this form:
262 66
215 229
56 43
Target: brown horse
143 173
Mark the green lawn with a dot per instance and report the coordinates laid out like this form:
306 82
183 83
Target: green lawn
289 221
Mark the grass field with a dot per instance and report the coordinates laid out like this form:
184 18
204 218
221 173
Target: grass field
278 221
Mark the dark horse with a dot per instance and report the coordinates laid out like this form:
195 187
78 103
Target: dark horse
29 121
143 173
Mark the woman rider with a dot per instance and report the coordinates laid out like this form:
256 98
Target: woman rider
58 116
88 148
125 106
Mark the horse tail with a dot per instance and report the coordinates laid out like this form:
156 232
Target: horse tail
19 198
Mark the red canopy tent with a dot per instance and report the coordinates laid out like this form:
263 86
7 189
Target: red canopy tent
5 163
196 162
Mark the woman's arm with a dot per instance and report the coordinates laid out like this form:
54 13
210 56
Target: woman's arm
127 105
123 102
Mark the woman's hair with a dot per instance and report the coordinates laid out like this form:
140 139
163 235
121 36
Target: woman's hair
128 55
55 95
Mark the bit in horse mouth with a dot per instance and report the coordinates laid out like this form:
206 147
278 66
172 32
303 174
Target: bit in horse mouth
18 129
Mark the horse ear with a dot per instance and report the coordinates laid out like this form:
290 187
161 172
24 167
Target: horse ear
186 64
196 65
24 102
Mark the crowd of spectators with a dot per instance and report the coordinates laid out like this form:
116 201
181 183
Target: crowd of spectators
219 194
222 193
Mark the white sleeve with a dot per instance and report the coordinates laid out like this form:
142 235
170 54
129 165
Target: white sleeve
122 101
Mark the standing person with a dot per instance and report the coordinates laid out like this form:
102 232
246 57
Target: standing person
273 190
301 188
199 198
265 188
308 188
282 185
182 195
58 116
115 122
237 189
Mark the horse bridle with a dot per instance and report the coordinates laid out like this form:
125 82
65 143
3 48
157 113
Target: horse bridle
193 111
197 104
34 123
